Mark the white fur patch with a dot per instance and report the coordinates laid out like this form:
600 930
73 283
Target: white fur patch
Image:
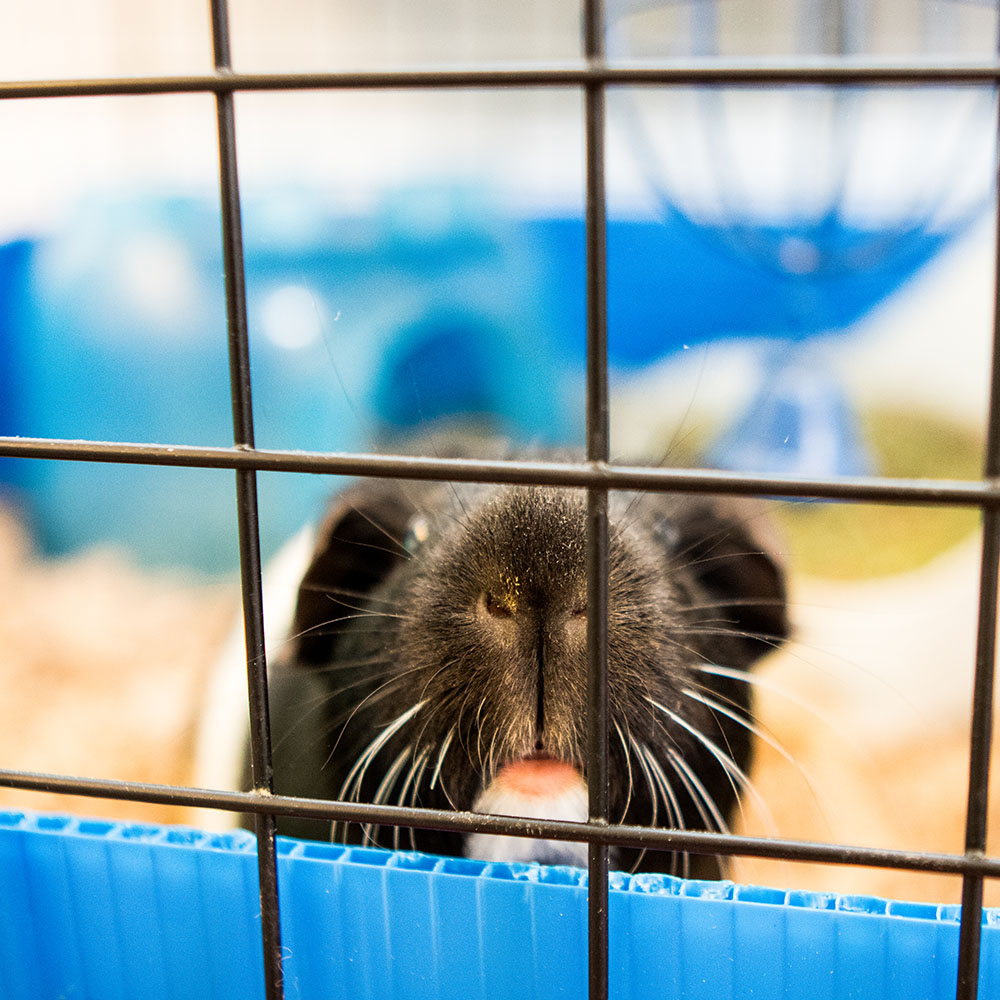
570 804
222 727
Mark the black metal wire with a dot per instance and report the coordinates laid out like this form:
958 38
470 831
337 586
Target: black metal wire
658 838
247 514
981 733
732 73
979 754
867 489
597 423
593 76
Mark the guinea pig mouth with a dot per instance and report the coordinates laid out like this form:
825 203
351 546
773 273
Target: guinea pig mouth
536 786
536 775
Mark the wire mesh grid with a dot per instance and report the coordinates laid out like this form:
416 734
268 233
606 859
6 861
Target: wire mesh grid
597 475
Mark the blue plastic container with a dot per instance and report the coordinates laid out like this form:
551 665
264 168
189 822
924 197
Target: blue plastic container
99 909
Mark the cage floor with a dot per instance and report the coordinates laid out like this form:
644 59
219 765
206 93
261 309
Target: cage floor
98 909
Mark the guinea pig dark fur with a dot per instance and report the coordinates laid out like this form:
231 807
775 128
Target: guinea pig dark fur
439 647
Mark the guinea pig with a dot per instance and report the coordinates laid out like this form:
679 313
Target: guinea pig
437 657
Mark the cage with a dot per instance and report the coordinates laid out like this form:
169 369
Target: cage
89 886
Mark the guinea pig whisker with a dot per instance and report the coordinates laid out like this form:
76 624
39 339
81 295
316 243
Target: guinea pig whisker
479 732
765 638
371 751
731 769
709 557
351 788
734 602
442 753
325 628
628 767
653 794
688 630
413 798
374 696
391 688
394 676
344 718
721 626
677 438
745 676
729 529
434 676
451 486
400 550
310 707
399 553
386 630
761 733
491 755
674 813
370 831
760 803
653 797
460 501
342 722
708 810
338 626
362 661
357 595
750 677
704 802
408 793
362 611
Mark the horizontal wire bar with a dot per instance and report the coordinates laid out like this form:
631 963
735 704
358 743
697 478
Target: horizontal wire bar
983 493
468 822
716 72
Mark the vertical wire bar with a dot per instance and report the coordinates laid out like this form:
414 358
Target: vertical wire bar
979 756
967 986
597 504
247 513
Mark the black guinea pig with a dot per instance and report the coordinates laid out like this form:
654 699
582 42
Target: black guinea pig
438 658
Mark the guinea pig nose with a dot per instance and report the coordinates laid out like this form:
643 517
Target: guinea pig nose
495 607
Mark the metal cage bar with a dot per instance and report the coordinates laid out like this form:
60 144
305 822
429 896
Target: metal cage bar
654 838
984 494
594 110
981 732
722 72
248 521
593 75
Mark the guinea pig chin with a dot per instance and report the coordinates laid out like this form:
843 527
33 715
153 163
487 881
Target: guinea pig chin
532 788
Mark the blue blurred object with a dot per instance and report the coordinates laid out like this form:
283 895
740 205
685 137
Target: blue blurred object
93 908
14 264
674 283
799 423
113 329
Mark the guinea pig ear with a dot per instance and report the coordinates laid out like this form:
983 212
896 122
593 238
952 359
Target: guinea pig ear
359 543
730 548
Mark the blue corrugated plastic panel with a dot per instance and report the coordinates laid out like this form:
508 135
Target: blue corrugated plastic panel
96 909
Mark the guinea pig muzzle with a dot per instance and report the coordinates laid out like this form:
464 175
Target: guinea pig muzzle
534 787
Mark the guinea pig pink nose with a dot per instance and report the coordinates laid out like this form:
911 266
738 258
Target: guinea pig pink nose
538 777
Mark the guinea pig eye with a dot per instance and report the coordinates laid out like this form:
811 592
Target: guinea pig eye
416 534
494 607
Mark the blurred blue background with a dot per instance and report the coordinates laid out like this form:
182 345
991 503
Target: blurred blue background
413 256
